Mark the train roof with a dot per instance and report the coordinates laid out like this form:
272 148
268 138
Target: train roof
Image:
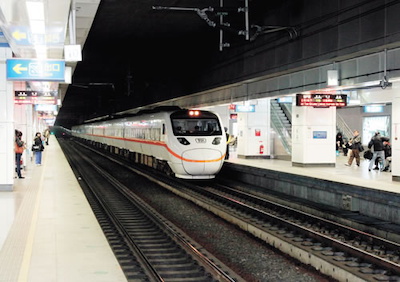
141 112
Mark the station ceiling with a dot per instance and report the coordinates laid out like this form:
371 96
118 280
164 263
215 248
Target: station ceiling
131 46
135 45
140 52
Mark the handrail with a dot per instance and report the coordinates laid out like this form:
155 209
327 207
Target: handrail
278 125
287 109
343 127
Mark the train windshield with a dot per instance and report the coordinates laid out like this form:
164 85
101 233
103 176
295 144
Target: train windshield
205 124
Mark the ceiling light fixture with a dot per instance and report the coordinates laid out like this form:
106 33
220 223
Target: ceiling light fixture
37 23
36 17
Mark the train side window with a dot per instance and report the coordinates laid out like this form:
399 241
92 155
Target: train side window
163 129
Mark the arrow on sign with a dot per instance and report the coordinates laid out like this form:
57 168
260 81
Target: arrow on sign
18 68
18 35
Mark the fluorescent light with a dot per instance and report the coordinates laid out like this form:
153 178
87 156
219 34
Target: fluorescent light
37 27
35 10
36 17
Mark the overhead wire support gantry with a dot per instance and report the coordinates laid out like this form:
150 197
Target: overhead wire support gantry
207 14
221 25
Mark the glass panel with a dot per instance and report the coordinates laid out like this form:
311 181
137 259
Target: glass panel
373 124
196 127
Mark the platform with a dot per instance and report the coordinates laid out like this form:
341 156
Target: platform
48 231
352 175
351 190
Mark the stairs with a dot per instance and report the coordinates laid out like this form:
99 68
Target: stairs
280 122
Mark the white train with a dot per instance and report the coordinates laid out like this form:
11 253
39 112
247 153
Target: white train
189 144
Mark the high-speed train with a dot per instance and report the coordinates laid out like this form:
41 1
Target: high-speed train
188 144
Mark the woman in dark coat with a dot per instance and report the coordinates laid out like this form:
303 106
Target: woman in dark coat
339 141
19 149
38 148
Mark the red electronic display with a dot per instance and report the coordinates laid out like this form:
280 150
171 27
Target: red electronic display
321 100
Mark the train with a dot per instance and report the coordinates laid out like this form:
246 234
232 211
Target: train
183 143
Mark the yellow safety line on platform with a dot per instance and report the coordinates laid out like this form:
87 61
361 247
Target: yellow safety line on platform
26 261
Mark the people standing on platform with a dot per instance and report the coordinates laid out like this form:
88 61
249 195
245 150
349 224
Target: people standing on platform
339 142
377 143
388 156
38 148
19 149
228 136
355 148
387 148
346 146
46 135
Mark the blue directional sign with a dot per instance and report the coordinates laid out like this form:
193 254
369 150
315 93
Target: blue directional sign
3 40
27 69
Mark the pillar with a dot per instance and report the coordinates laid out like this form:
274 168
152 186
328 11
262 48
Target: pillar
7 133
23 117
395 139
313 136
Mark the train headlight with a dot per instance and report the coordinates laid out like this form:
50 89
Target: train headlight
216 141
194 113
183 141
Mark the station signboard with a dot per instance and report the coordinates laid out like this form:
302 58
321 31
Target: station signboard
245 109
45 108
320 134
321 100
3 40
37 70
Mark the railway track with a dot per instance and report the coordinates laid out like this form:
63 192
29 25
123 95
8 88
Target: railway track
333 249
343 253
148 246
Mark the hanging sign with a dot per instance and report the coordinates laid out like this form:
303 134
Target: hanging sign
36 97
321 100
245 109
38 70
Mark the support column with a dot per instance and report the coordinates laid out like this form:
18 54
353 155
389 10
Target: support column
254 132
7 133
23 118
313 136
395 139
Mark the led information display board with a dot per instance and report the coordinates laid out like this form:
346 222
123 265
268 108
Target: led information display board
36 97
321 100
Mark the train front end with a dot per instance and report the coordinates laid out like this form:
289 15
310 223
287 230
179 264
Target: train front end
197 145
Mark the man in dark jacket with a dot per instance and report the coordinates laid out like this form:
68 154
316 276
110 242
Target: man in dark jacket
377 143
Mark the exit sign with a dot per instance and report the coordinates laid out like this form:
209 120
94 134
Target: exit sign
38 70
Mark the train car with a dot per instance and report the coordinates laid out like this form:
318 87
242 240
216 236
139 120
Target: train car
189 144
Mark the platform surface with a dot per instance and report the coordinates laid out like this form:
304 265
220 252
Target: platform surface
355 175
48 232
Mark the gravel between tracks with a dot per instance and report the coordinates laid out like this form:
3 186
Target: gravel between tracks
251 258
